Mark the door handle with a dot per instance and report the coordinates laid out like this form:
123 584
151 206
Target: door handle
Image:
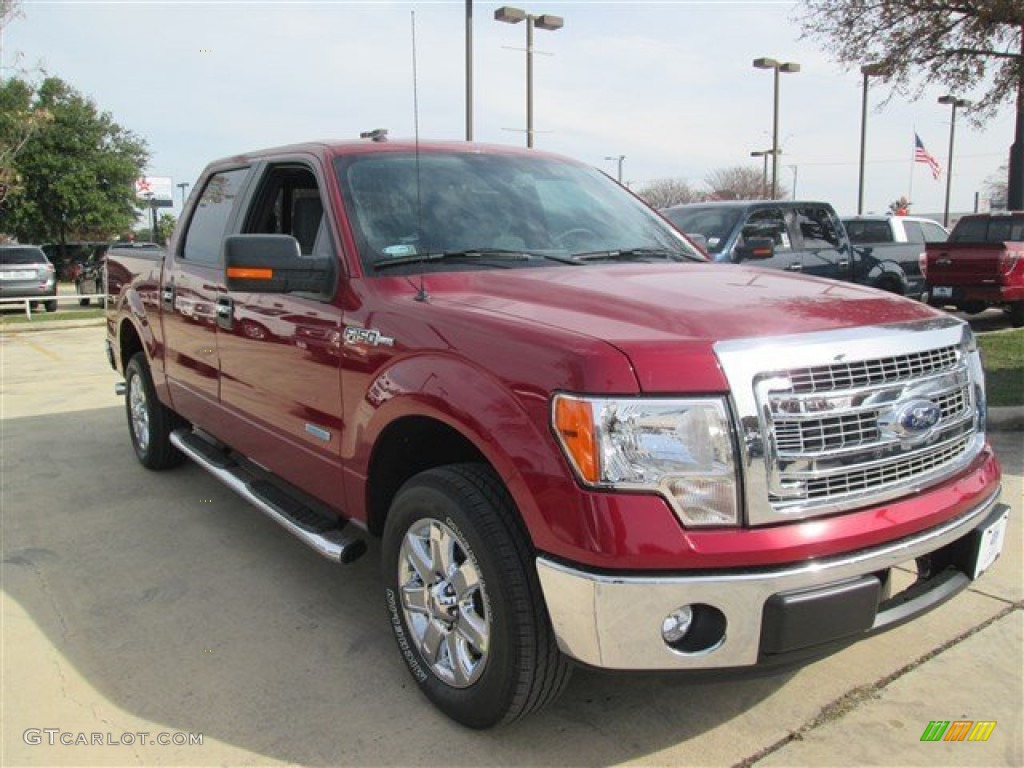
844 264
225 312
797 267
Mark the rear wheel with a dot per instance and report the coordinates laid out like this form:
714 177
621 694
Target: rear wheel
51 306
464 599
150 422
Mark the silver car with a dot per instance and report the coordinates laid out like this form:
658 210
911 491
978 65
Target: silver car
25 272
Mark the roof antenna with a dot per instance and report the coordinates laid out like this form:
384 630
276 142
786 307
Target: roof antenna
421 294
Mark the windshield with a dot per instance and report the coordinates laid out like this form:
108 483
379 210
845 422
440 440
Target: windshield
716 224
21 256
542 208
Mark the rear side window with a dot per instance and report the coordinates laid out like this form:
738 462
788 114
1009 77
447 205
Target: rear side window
933 233
914 232
817 227
870 231
21 256
210 220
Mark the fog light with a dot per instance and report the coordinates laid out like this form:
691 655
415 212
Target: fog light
694 628
677 624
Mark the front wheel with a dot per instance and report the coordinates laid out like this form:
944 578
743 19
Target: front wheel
150 422
464 599
51 306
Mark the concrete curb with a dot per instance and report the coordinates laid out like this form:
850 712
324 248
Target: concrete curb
50 325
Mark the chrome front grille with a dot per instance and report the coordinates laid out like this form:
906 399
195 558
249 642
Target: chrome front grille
867 373
842 426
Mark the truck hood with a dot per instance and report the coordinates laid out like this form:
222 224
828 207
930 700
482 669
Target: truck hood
665 318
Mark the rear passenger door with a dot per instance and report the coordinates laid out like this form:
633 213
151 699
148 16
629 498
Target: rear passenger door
192 284
818 234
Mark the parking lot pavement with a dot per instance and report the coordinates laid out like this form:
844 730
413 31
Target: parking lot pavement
160 603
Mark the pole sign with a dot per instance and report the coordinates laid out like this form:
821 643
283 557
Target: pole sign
155 191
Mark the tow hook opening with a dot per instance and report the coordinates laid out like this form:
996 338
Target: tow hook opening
693 629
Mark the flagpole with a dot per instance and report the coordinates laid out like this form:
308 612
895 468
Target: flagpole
913 159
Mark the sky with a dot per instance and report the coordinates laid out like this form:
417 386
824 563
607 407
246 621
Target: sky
669 85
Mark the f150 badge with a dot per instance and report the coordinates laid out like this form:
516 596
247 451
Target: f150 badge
371 337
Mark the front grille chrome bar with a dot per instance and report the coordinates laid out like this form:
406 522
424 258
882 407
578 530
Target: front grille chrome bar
839 427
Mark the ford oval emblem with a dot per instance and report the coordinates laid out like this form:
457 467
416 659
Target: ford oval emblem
911 420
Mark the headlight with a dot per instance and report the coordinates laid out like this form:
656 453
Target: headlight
680 448
969 348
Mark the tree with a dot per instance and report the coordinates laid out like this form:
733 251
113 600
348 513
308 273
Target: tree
960 45
76 171
663 193
164 227
738 183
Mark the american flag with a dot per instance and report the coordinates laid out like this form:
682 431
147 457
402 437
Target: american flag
921 155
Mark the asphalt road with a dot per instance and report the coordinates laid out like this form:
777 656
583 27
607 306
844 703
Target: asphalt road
159 603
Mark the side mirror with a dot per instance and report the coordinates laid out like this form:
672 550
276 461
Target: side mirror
272 264
755 248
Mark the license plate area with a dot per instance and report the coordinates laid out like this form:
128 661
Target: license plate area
942 292
990 544
18 274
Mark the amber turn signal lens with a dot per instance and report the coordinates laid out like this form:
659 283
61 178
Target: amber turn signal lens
250 273
575 424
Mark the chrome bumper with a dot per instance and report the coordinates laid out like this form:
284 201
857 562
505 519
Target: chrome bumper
615 622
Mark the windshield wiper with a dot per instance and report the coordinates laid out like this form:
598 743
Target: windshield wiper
473 254
630 254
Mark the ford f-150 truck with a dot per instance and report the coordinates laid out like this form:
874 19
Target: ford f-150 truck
981 266
797 236
579 441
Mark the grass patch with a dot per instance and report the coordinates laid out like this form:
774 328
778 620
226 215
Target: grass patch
1002 355
10 317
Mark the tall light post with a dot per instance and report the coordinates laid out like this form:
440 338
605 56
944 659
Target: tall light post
183 186
511 15
618 159
788 67
868 70
765 153
469 70
953 103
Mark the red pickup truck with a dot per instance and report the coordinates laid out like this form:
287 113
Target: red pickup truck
981 266
579 441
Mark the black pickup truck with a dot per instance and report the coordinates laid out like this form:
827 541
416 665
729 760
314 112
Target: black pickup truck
796 236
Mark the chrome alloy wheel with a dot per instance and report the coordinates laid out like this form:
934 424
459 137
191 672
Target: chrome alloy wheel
444 602
139 409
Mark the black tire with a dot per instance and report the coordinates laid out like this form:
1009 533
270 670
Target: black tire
83 302
51 306
520 668
972 307
150 422
1017 314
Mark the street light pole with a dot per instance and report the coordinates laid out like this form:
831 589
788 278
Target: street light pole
511 15
618 159
183 186
777 67
953 103
867 71
469 70
764 172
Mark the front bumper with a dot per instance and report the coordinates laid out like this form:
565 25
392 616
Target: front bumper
770 614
